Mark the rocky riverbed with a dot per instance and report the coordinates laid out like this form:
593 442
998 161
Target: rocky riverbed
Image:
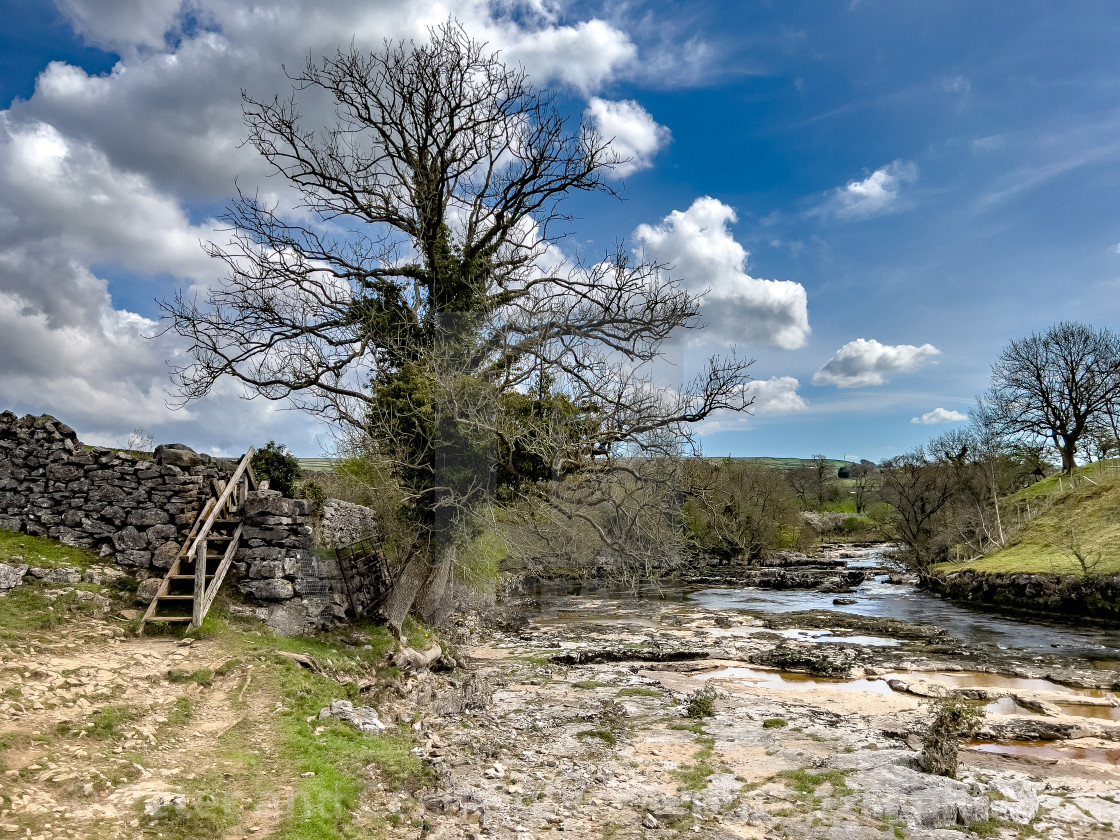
814 729
593 718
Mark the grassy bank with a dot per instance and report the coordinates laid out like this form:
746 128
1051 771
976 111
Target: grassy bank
1061 526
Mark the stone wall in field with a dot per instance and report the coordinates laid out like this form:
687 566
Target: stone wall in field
139 510
133 509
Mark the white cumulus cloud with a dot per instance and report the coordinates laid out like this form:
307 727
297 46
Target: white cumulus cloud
101 178
865 362
698 245
878 193
631 130
776 395
939 415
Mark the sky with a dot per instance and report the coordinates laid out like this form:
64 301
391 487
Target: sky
875 195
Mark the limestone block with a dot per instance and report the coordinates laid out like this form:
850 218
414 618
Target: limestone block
1017 801
165 555
141 559
11 575
269 590
266 569
72 536
107 493
147 590
161 533
65 472
61 575
129 539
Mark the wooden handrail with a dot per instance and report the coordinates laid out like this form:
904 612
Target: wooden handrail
231 485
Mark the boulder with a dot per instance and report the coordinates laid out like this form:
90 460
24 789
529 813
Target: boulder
165 555
1015 800
61 575
362 718
147 590
916 799
11 576
178 455
409 659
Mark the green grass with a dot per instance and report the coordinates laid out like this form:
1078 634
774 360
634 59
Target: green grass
775 723
695 776
107 721
339 757
638 692
203 676
181 713
27 610
805 784
344 762
1084 520
781 463
602 734
41 552
587 685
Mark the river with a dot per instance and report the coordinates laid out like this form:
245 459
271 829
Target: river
1100 646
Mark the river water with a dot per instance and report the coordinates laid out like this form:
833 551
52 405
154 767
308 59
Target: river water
874 598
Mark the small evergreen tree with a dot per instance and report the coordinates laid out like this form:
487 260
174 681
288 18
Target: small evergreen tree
276 465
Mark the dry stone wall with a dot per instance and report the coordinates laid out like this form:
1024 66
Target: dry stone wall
133 510
344 523
138 512
302 589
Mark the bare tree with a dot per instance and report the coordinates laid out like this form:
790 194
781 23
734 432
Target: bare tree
814 481
1055 386
418 300
861 478
920 488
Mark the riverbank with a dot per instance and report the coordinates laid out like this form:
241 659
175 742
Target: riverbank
598 726
1062 596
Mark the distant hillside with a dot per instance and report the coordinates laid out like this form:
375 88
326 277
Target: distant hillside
780 463
316 464
1059 519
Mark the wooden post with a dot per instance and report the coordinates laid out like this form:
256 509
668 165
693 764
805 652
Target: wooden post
199 584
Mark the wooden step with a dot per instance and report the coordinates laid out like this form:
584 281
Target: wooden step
218 526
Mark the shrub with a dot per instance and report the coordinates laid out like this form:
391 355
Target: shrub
701 703
275 464
314 492
953 719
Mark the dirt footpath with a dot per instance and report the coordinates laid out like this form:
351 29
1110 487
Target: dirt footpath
98 737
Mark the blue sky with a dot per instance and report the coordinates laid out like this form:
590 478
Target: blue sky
879 194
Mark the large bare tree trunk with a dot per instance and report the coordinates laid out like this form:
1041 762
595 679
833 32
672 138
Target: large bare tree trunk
433 603
405 589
